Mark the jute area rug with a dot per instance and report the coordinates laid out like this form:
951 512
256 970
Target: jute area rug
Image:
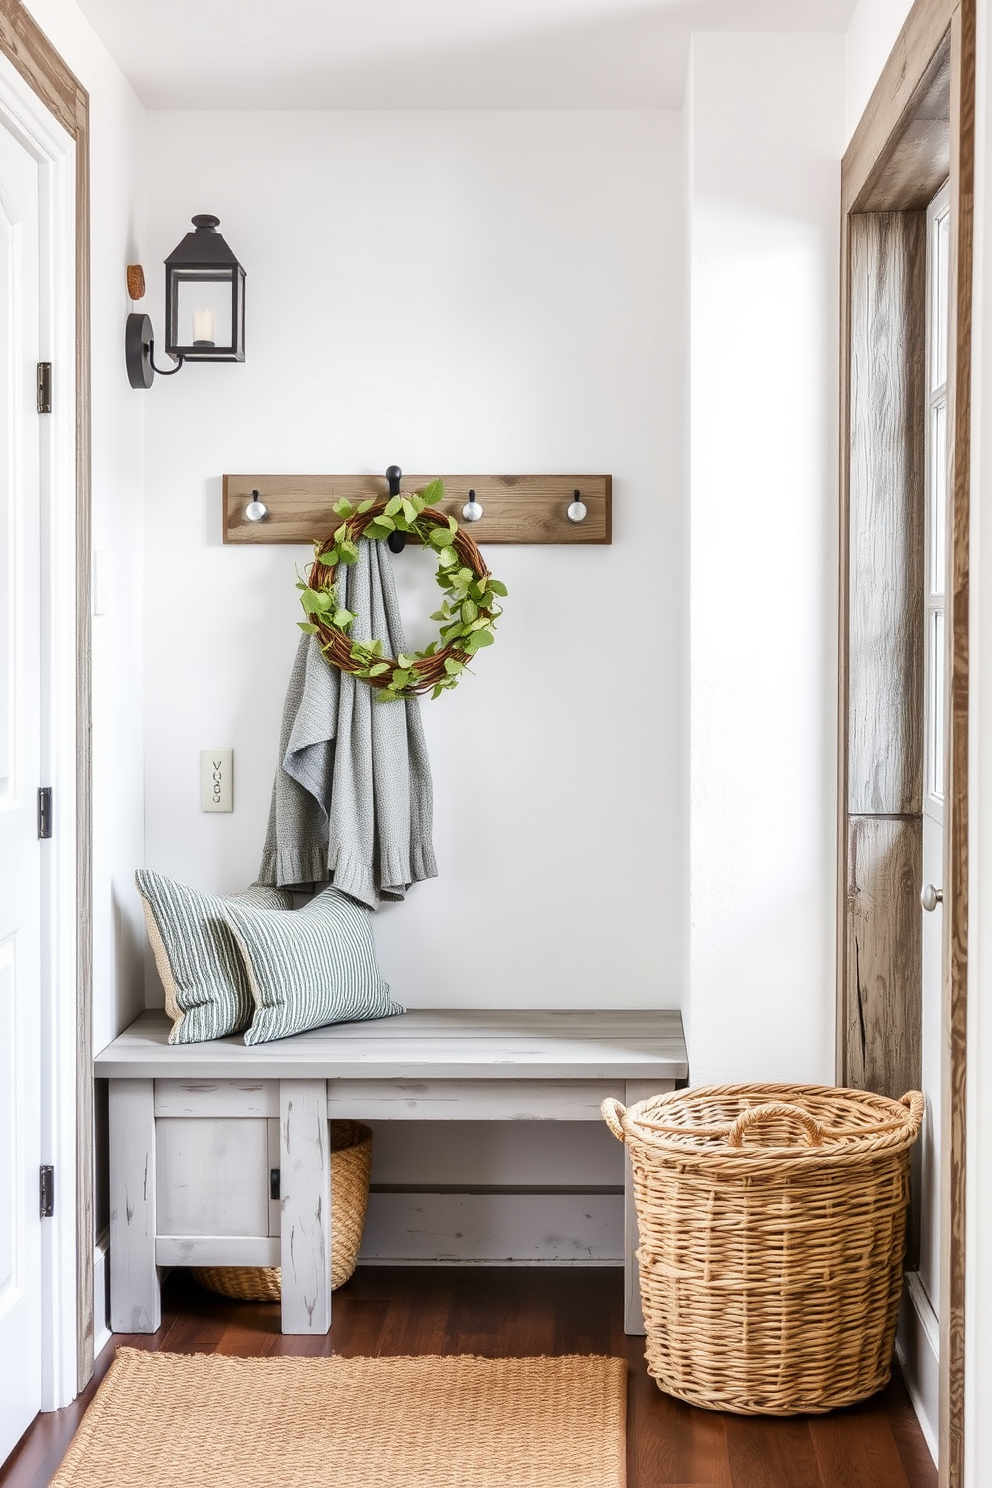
212 1421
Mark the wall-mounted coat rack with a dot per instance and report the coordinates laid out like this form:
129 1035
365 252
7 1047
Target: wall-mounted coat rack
514 508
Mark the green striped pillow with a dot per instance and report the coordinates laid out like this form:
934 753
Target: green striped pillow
206 987
314 966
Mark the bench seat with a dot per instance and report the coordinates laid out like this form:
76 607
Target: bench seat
219 1152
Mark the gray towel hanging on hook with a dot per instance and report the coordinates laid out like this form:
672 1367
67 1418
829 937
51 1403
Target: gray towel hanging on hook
352 801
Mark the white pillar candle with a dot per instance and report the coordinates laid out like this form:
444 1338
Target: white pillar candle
203 327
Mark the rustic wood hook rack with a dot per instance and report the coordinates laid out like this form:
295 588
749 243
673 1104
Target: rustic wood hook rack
515 508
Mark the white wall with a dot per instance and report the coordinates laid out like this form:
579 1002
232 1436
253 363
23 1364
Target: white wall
479 292
871 34
450 292
766 123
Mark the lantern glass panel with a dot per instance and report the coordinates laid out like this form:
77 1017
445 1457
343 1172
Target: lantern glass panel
203 310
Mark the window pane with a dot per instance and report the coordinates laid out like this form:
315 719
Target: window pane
935 672
938 362
937 514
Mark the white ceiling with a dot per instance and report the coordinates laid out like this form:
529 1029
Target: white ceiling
380 54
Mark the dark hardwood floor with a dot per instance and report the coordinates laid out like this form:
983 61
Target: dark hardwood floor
532 1311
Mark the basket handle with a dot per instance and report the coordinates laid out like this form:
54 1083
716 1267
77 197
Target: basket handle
612 1113
754 1114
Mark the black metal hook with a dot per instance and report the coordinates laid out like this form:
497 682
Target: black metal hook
396 541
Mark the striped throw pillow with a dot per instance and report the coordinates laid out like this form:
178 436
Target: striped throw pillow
206 986
314 966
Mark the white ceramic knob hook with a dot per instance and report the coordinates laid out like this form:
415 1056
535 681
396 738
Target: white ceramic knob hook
577 511
256 511
472 510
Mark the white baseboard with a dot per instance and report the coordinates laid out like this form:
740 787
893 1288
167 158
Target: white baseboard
494 1229
101 1311
918 1352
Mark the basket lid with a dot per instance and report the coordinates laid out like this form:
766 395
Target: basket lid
755 1122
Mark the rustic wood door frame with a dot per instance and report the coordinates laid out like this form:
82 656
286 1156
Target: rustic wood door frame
917 131
34 57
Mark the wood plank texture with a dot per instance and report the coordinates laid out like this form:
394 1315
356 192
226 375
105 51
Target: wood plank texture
890 104
514 1313
423 1044
470 1100
885 663
306 1207
544 1228
930 25
515 508
954 1015
217 1250
917 159
135 1304
885 955
212 1176
217 1098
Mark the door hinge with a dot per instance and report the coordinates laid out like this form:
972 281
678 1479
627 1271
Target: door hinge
47 1191
44 387
45 811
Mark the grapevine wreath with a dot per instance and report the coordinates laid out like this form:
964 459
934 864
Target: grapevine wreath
468 611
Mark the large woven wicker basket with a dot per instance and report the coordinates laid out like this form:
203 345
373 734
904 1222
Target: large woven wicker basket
351 1168
772 1226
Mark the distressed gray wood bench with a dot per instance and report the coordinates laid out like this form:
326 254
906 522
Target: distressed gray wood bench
219 1153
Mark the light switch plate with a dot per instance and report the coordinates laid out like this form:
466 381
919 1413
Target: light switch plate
216 779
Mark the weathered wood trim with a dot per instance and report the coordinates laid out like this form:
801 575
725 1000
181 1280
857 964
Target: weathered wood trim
917 160
884 955
886 121
955 971
886 527
30 51
888 110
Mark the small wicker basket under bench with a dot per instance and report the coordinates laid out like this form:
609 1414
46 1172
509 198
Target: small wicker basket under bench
203 1135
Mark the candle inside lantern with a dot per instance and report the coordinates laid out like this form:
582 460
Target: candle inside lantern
203 328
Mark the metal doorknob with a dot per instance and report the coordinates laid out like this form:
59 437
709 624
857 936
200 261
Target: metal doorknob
931 897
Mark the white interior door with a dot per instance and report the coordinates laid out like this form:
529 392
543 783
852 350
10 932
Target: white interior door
935 702
20 860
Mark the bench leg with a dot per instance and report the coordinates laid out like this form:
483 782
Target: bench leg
135 1289
633 1313
633 1316
305 1189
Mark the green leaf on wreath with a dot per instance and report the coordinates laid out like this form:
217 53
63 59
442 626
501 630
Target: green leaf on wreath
447 557
469 611
366 506
343 618
343 507
432 492
378 669
392 506
498 588
408 509
453 667
305 625
347 552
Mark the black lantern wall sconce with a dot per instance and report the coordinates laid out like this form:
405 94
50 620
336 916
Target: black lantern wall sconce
204 307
